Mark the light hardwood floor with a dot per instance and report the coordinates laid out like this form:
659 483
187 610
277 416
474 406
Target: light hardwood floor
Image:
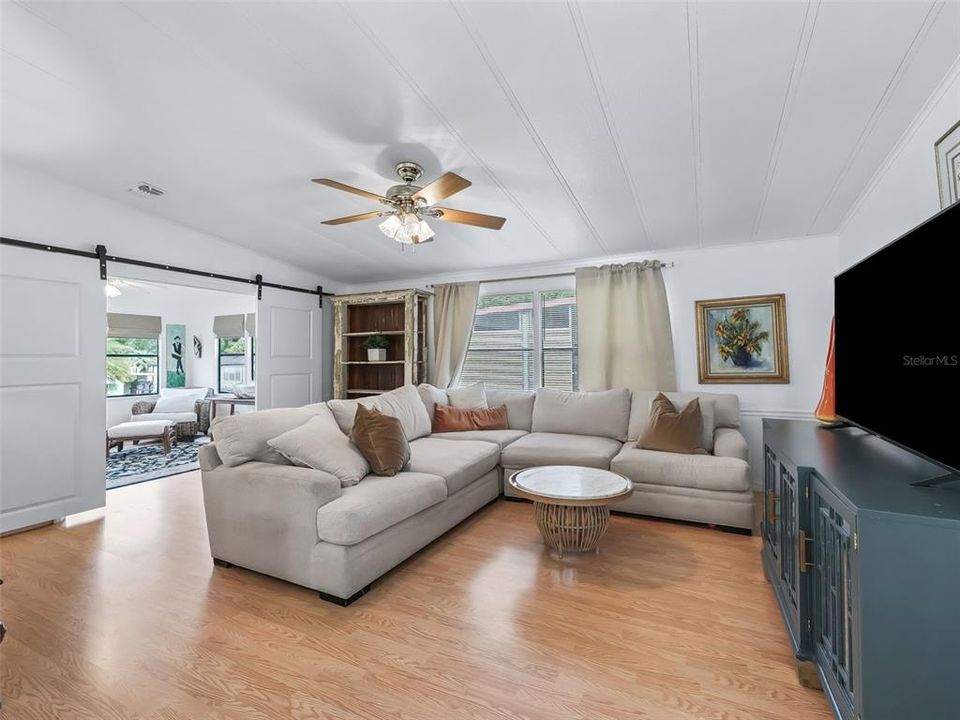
122 615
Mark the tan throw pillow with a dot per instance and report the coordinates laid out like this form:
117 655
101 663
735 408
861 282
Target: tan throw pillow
672 431
451 419
320 445
381 441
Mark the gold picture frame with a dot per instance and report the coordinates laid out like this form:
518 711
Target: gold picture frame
947 151
743 340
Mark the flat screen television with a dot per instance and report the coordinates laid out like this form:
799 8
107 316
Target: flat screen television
897 341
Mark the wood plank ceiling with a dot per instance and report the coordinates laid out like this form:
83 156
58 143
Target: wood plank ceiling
595 128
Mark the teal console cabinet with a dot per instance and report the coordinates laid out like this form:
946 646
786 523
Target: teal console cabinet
865 568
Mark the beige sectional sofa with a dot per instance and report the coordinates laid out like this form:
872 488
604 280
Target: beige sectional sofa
302 525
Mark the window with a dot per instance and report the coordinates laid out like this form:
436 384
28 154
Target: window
501 349
524 340
558 313
232 362
132 366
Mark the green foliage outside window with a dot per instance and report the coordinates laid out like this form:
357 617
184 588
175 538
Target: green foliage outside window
132 366
233 346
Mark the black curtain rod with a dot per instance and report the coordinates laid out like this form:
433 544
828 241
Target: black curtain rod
101 254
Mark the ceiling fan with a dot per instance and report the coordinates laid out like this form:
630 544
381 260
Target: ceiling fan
411 205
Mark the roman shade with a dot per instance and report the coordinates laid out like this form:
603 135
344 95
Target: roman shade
251 325
138 326
228 326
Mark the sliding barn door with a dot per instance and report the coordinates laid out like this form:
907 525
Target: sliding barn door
288 349
52 387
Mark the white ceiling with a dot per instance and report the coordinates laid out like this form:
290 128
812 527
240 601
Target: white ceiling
595 128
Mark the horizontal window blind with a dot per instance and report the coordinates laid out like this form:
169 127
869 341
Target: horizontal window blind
501 351
522 340
558 319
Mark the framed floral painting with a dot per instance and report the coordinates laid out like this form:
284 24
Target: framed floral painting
743 340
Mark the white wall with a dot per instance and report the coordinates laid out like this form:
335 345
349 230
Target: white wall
801 268
193 307
904 191
39 208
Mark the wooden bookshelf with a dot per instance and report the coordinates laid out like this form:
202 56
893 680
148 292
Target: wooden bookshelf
398 315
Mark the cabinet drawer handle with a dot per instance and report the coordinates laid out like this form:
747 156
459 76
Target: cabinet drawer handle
802 552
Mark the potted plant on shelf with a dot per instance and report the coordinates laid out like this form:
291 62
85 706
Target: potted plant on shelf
376 347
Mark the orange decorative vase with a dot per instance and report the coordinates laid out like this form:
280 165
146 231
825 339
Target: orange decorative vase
826 411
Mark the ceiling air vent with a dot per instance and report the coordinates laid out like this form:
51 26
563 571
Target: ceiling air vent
145 189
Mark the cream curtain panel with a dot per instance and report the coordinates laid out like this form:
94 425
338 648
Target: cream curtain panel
228 326
138 326
251 326
454 305
623 321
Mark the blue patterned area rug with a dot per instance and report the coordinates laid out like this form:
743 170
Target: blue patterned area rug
139 463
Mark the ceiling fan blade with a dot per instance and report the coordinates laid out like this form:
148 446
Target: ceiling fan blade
443 187
353 218
350 189
491 222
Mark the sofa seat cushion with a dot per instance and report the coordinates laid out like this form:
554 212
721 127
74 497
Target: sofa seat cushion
459 463
377 503
177 417
500 437
705 472
559 449
519 406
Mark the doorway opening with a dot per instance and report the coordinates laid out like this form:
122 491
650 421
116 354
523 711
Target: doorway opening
176 357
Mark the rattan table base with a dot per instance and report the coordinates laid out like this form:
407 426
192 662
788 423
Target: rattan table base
571 527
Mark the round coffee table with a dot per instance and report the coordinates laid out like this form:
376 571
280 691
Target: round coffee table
571 504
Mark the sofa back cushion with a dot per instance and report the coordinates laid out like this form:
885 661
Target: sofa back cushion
241 438
404 403
430 396
519 403
519 406
468 397
603 413
726 409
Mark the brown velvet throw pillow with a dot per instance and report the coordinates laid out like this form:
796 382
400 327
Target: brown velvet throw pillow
381 441
672 431
451 419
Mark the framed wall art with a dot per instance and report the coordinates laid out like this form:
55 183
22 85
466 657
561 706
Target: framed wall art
743 340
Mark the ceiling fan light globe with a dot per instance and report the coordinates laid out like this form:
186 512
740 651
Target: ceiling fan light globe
426 232
391 226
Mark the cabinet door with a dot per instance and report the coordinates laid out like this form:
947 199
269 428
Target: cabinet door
771 500
788 526
834 530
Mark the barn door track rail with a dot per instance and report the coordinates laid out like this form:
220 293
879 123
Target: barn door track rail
102 257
